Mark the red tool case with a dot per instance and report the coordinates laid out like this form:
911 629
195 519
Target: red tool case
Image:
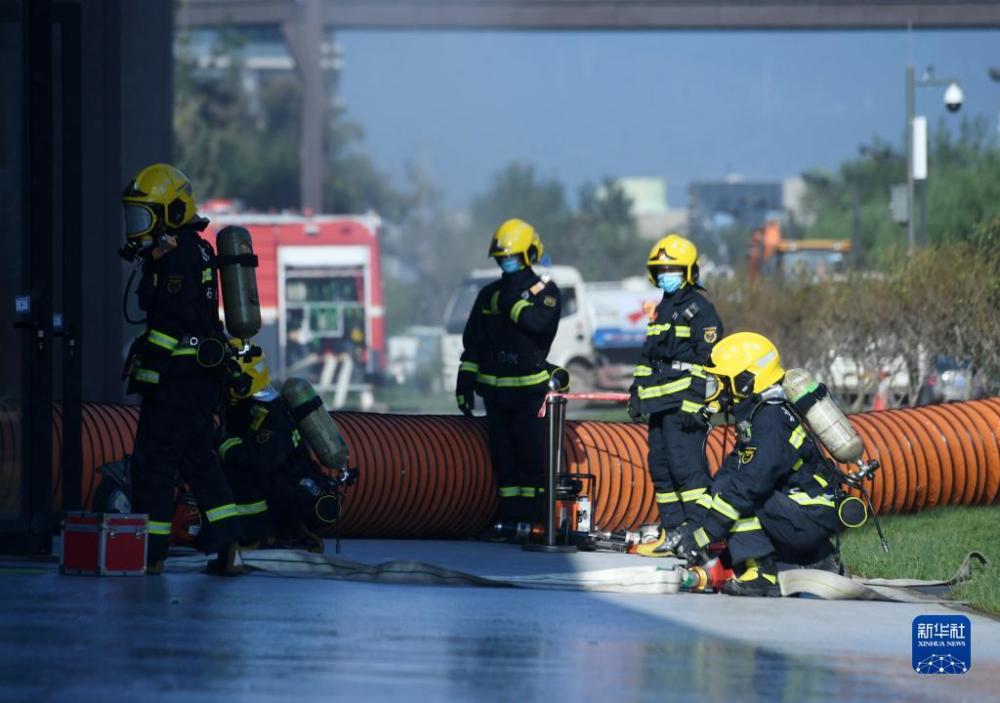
104 544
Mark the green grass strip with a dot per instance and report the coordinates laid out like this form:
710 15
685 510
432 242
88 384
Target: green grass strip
931 545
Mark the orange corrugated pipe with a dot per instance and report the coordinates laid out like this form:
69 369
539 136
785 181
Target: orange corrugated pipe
429 475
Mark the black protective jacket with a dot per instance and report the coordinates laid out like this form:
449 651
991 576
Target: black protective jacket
773 453
508 336
179 294
679 343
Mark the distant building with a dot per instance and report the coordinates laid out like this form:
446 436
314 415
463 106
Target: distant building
713 206
653 215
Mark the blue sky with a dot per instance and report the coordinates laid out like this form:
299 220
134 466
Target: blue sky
681 105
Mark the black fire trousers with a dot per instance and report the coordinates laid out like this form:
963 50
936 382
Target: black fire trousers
678 468
517 449
176 434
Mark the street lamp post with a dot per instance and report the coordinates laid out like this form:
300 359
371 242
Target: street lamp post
953 101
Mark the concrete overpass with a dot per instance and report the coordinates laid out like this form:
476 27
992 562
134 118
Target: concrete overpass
303 23
599 14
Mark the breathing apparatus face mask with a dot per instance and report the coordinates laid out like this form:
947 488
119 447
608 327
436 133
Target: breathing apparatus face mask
670 281
510 264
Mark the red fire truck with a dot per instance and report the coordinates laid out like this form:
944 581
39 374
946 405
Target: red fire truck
320 286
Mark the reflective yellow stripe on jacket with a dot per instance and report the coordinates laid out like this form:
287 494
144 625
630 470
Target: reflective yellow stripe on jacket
513 381
666 389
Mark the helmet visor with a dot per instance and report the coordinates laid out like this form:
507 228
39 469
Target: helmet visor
713 387
139 220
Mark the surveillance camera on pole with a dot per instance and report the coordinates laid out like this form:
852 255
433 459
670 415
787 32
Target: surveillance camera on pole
953 97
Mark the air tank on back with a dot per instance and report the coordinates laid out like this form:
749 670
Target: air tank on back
315 423
237 270
812 399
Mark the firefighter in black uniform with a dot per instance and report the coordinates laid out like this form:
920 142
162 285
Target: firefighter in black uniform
282 495
507 338
669 385
174 365
774 499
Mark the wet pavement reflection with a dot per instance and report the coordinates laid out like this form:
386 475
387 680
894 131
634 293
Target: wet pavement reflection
189 637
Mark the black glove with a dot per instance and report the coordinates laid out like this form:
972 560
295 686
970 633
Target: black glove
693 422
465 393
692 545
633 406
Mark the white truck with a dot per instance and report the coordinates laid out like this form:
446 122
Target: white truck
601 331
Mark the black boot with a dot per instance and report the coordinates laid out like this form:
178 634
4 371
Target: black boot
759 579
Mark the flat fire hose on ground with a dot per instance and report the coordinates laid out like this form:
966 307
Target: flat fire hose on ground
830 586
647 579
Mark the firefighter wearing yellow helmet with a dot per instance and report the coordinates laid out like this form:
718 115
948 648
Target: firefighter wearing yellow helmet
506 340
774 498
669 386
282 495
175 363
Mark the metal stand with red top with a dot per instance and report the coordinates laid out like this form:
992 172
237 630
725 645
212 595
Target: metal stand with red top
560 484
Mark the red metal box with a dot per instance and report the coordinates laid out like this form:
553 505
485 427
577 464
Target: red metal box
105 544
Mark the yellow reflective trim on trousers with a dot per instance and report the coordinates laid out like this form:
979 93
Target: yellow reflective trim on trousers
821 481
162 340
517 308
206 275
798 437
146 376
468 366
669 497
509 491
222 512
746 525
797 465
227 445
693 495
701 537
528 491
666 389
252 508
682 331
805 499
653 330
705 501
184 351
689 406
642 370
513 381
159 528
722 505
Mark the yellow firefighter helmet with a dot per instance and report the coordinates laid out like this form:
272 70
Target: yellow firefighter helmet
673 250
517 237
747 362
253 376
159 197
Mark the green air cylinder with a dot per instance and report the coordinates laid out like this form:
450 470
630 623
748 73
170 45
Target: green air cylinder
315 423
237 269
825 418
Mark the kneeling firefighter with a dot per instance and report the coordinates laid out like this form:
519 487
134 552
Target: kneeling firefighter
506 341
669 386
775 498
175 365
282 495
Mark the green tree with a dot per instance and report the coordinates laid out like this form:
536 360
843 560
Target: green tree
963 191
231 148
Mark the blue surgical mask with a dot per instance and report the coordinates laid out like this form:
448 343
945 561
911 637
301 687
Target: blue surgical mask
510 265
670 282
